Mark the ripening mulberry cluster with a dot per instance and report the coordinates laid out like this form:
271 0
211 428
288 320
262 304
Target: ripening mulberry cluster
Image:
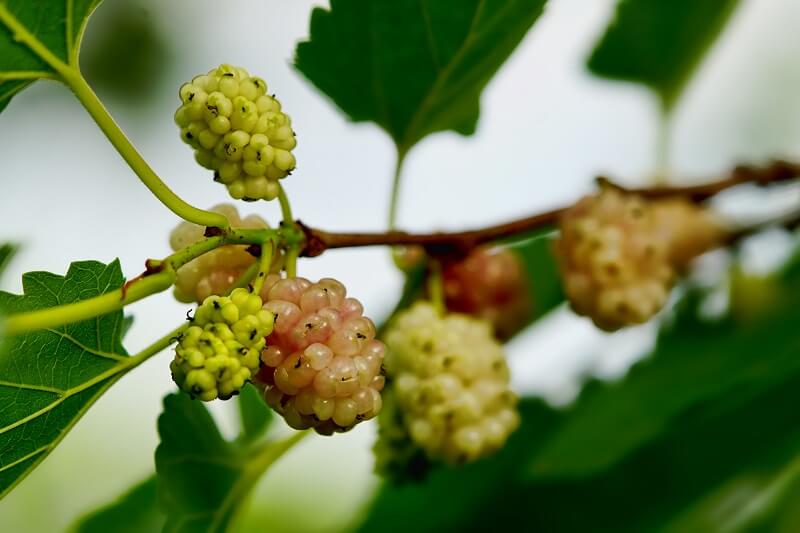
450 384
619 254
690 230
322 364
214 272
490 284
220 351
238 131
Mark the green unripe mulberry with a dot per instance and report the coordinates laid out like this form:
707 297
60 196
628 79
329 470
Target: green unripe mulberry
221 349
238 131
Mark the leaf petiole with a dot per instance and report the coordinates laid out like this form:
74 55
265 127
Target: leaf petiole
160 278
72 77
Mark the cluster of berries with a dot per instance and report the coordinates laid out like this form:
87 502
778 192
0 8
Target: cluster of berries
220 351
322 367
217 271
619 254
238 131
490 284
450 386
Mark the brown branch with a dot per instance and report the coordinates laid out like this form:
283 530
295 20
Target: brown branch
775 172
440 243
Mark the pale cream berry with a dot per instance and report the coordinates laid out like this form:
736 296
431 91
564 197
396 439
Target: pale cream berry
214 272
450 391
227 117
614 263
619 254
691 230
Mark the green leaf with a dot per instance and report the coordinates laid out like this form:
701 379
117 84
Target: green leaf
413 67
723 459
57 27
126 30
693 362
7 252
136 511
204 479
659 43
49 378
447 497
254 412
541 267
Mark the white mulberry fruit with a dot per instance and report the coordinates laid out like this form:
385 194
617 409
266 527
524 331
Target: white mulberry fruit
214 272
238 131
614 263
619 254
450 381
490 284
690 230
220 351
322 364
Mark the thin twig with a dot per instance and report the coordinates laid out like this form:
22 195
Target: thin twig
441 243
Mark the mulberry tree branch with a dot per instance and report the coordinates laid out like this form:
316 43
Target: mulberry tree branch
318 241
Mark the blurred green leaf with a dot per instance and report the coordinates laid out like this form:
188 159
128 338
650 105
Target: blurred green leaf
449 498
705 451
124 53
536 253
413 67
204 480
57 24
254 412
7 252
197 468
136 511
659 43
49 378
710 413
694 361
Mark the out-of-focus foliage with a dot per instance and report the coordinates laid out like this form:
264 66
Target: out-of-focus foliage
7 252
705 423
125 54
49 378
412 67
254 415
136 511
544 281
57 24
197 468
659 43
204 480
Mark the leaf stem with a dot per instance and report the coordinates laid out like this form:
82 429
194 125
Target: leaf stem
73 78
394 198
436 287
264 263
663 146
291 261
286 208
90 308
264 457
172 201
158 279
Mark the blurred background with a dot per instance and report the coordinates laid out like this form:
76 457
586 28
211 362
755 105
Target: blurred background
547 128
